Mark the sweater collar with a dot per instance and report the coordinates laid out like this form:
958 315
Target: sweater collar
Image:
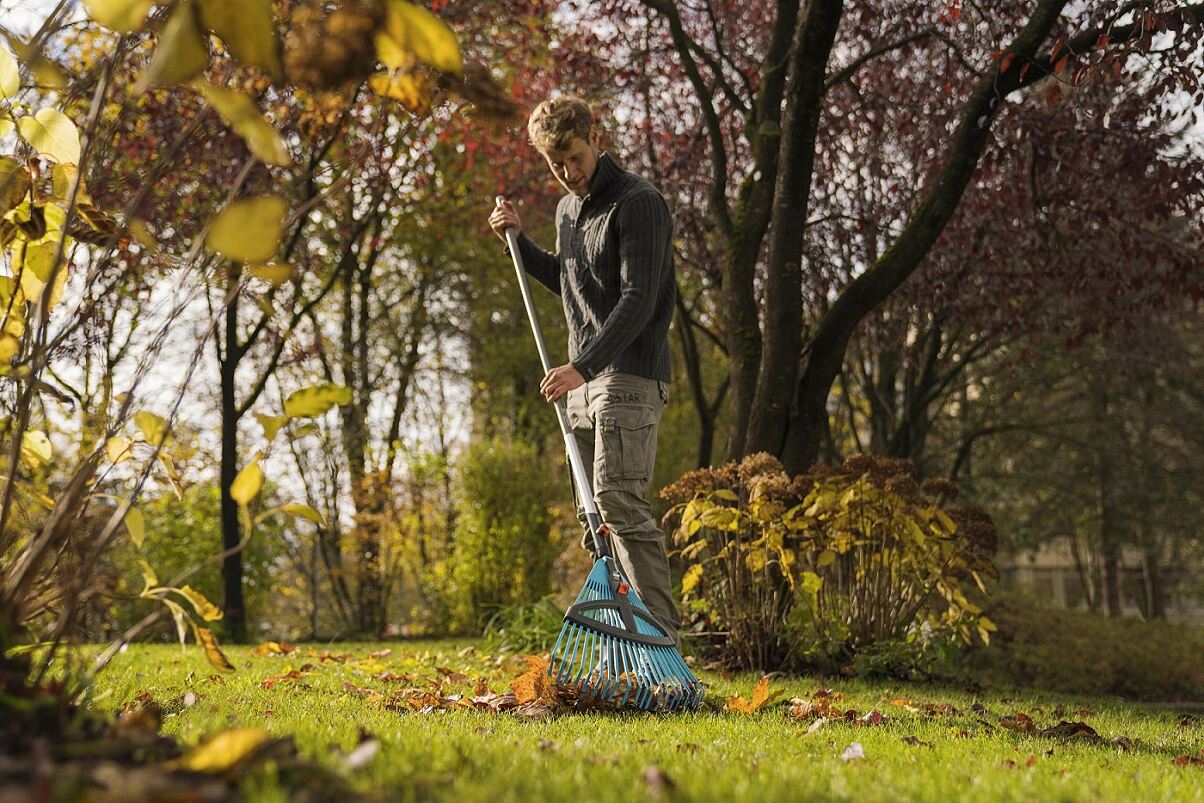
604 175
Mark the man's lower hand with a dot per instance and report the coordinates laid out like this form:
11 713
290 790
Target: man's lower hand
560 381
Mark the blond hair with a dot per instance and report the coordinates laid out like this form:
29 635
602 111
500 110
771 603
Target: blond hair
557 121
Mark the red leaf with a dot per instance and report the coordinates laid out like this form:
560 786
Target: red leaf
1102 42
1006 62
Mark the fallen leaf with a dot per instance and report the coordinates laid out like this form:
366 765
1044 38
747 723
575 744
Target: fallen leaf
1021 723
854 752
816 725
915 742
872 718
1188 761
361 754
222 750
547 744
658 781
1032 760
385 653
1079 731
1189 721
760 696
534 684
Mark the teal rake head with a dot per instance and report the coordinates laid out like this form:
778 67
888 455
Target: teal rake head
612 649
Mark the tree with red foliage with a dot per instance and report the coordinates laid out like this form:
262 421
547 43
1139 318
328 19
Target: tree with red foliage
770 86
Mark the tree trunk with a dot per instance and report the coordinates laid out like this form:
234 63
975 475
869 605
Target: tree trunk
1109 525
234 618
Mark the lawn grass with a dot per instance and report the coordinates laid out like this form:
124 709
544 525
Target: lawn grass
710 755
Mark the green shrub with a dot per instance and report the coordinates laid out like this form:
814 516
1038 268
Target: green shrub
818 569
504 537
1079 652
526 627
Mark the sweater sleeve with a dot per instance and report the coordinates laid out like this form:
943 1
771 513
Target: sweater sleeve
543 265
645 233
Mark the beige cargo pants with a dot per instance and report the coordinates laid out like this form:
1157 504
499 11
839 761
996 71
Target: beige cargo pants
614 418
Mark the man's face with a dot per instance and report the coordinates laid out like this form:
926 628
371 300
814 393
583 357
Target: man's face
574 166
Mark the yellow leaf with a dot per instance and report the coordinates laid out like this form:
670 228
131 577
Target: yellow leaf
275 275
204 608
14 182
52 134
142 235
205 637
418 31
826 558
135 525
691 579
315 400
411 89
222 750
182 51
123 16
249 229
10 75
148 576
8 346
36 448
271 424
61 180
117 449
153 427
247 483
248 31
241 114
304 511
760 697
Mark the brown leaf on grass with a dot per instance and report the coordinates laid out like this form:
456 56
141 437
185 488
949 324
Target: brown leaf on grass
283 677
1189 761
274 648
658 782
458 678
1021 723
1122 743
760 698
1189 721
872 718
535 683
1032 761
327 655
916 742
385 653
1077 731
482 688
533 711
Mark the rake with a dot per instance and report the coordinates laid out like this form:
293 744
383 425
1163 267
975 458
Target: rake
611 648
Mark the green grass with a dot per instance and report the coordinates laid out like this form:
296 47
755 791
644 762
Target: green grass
710 755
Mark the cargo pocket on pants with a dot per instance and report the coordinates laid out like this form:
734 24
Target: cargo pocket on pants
627 447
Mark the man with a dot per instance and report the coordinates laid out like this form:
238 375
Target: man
613 269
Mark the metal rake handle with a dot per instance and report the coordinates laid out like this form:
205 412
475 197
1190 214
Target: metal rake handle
576 465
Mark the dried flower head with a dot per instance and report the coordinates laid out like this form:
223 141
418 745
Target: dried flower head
756 465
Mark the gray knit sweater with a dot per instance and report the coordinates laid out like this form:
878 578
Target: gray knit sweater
613 270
